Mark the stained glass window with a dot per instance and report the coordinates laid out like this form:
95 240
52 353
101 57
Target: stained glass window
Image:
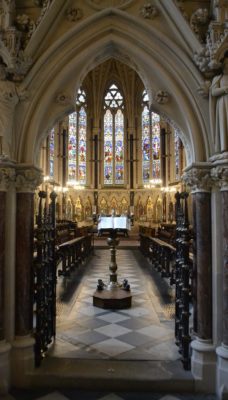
177 155
146 147
156 163
77 140
119 147
113 137
151 165
52 152
82 146
72 145
108 148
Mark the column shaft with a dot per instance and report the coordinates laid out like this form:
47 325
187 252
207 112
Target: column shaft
24 263
194 266
2 261
204 265
224 194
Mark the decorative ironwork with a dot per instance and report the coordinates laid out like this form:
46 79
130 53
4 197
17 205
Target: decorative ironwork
182 279
45 276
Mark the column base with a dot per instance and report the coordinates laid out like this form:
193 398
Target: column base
22 361
222 372
204 365
4 367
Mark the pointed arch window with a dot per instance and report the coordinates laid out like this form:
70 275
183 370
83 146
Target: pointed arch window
113 137
77 140
151 166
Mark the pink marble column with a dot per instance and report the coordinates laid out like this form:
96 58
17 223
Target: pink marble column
203 265
28 178
24 261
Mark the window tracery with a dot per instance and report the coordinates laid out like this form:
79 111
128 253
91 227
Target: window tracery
113 137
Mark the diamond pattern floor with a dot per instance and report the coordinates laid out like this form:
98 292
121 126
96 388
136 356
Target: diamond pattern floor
142 332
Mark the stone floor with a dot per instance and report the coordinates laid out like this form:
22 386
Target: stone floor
86 395
96 344
143 332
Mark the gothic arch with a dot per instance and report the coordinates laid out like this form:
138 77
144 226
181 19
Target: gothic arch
98 38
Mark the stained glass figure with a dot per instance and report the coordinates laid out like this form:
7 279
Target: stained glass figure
177 155
108 148
77 140
51 152
156 163
113 137
146 147
82 146
119 147
72 146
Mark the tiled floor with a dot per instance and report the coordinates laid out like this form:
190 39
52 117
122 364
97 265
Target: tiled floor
143 332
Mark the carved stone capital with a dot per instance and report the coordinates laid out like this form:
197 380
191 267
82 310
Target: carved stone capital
198 178
28 178
7 173
219 175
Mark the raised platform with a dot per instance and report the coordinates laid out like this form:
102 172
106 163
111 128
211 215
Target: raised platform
113 299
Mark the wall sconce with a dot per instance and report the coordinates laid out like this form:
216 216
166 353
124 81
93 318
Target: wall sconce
75 185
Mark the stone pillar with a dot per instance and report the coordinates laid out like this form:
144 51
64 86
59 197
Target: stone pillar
197 176
6 176
220 173
27 179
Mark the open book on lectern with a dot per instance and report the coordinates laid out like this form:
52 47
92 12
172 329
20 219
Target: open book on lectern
113 223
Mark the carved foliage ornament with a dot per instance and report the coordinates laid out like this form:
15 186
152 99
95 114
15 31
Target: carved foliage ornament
198 179
7 176
208 59
74 14
149 11
28 179
64 99
220 176
198 21
162 97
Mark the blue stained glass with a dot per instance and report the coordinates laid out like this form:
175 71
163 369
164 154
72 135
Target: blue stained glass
51 152
146 147
156 164
119 147
108 148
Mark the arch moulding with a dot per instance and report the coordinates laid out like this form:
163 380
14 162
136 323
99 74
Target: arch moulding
159 62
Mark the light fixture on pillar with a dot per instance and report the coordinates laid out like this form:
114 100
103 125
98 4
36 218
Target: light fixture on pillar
153 183
168 189
75 185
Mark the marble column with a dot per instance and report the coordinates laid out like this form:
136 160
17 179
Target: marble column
194 265
27 179
6 176
203 361
220 172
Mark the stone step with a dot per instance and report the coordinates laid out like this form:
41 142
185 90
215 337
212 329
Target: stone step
113 375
